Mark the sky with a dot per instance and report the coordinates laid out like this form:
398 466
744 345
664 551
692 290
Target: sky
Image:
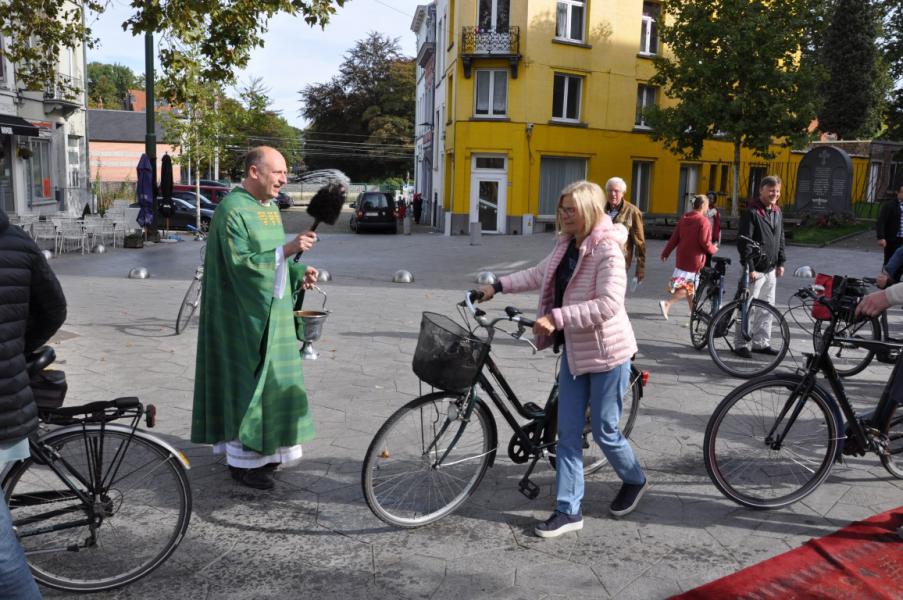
295 54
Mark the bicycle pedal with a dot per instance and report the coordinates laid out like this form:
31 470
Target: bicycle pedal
528 489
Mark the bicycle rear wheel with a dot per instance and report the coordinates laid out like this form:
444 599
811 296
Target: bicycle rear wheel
747 466
402 484
704 307
141 505
849 359
593 458
893 460
724 336
189 305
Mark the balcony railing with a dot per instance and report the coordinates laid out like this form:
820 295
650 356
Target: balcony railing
63 95
480 43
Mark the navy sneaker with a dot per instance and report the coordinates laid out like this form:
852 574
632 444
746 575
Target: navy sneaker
628 497
558 524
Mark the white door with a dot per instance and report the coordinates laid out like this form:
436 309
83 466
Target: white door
487 201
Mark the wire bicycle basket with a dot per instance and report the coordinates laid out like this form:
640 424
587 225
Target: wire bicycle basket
448 356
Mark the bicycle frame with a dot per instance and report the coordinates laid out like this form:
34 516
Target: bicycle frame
859 428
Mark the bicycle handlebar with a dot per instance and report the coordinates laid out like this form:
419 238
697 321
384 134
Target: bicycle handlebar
511 313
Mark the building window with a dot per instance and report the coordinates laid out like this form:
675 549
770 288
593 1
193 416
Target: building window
569 20
554 174
2 60
649 28
38 171
492 163
641 185
493 15
449 98
895 171
566 97
491 94
725 177
645 97
74 151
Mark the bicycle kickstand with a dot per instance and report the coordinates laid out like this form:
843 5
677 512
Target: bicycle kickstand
527 487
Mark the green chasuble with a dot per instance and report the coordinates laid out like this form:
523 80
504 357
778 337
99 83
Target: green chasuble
248 383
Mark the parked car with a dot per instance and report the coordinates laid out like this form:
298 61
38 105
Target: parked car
189 197
214 193
183 214
284 201
215 183
374 210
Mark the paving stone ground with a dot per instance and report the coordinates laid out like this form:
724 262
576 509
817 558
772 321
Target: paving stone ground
313 536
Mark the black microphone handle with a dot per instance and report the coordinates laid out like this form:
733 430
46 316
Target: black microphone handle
313 228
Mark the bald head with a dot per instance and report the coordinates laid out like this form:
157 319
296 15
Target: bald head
265 173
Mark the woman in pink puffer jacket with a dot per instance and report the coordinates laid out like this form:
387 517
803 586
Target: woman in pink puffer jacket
581 307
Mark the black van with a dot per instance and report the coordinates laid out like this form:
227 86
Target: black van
374 210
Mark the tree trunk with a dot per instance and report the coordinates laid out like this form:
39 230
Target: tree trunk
735 188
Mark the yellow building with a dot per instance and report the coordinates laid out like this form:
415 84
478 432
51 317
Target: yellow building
540 93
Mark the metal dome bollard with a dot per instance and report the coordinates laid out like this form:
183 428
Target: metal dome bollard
100 249
324 276
486 278
47 254
402 276
139 273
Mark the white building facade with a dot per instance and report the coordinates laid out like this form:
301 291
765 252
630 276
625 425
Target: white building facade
424 27
43 142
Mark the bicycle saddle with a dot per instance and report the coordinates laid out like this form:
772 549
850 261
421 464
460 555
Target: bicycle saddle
721 259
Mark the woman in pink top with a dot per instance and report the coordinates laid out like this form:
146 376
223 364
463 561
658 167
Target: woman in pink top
581 309
693 239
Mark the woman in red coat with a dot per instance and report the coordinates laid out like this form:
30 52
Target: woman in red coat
693 239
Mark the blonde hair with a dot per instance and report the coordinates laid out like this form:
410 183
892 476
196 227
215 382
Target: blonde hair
589 200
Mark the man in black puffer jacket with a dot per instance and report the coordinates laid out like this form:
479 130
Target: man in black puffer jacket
32 308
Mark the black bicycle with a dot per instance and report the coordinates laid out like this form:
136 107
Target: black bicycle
98 504
730 335
773 440
707 300
432 453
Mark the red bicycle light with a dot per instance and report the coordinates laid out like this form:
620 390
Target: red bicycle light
150 415
360 214
645 377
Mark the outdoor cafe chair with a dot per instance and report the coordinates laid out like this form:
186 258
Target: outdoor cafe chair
72 235
45 231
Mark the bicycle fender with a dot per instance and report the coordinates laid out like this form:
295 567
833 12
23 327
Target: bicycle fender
493 431
123 429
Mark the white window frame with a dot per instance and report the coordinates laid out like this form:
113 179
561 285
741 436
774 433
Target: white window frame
568 77
639 195
569 35
493 15
646 33
491 114
645 97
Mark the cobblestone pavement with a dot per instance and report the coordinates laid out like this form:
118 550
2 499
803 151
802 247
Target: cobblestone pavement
313 536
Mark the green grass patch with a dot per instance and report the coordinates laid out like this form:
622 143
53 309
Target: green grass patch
825 235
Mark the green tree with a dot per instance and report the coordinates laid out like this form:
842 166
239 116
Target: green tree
108 84
892 53
36 32
737 70
362 120
855 90
250 121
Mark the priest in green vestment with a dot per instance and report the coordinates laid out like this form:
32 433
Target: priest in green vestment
249 396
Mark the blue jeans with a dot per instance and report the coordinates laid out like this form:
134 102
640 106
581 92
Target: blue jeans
16 582
604 393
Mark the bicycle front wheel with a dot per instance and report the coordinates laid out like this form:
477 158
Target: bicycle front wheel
704 307
726 342
403 482
848 359
593 458
746 463
139 508
190 304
